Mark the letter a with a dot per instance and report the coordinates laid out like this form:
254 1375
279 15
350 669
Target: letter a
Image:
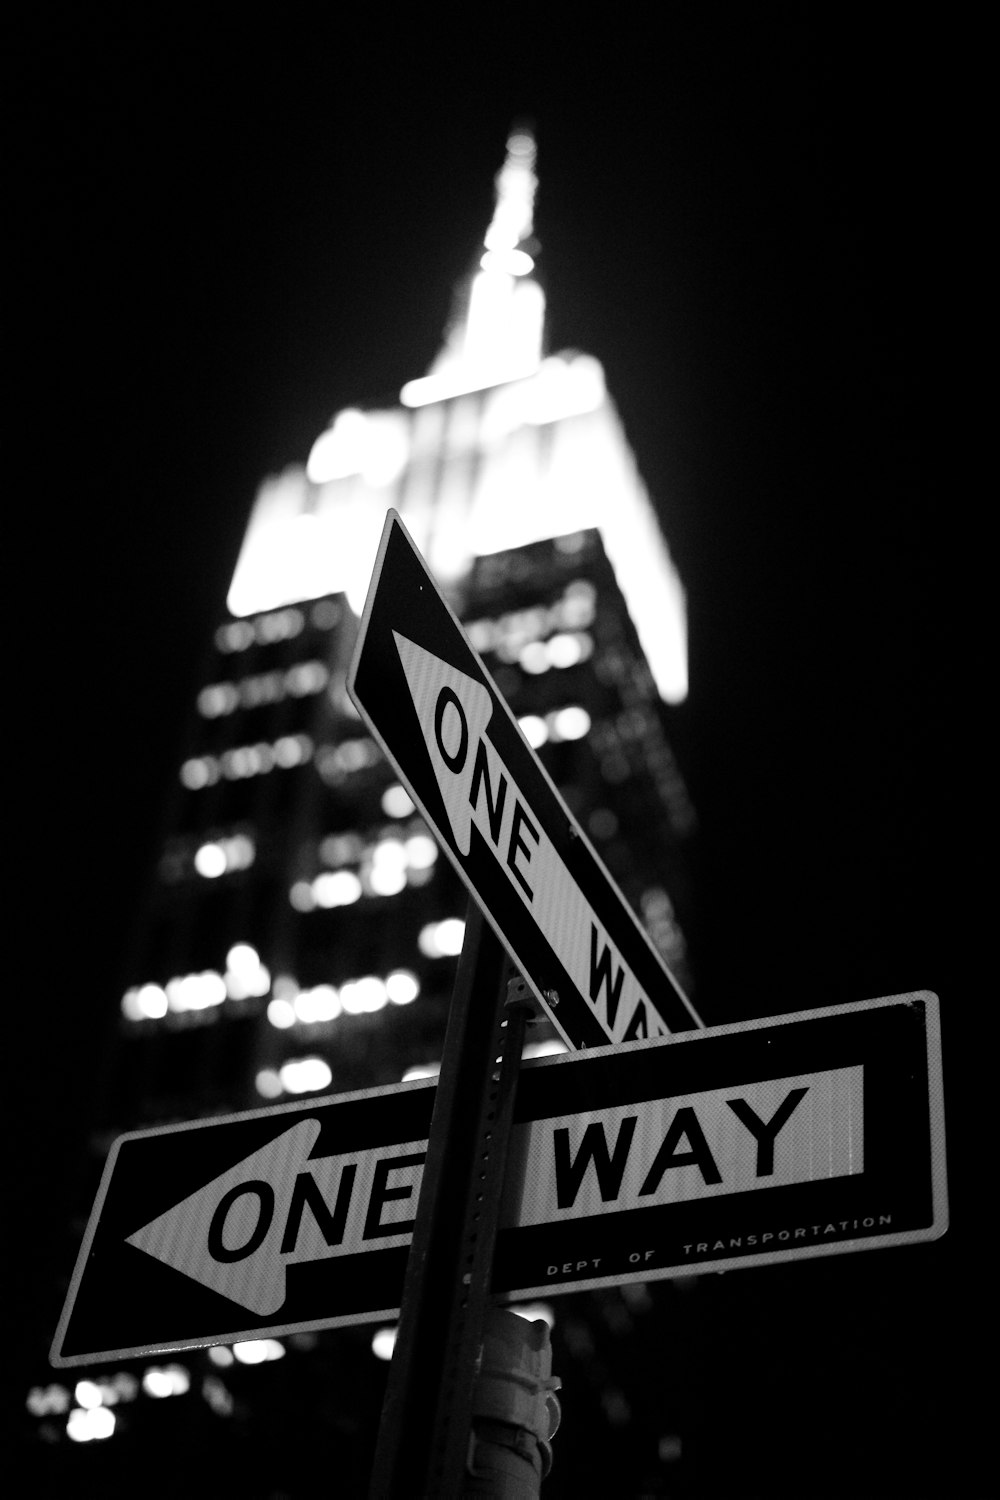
684 1123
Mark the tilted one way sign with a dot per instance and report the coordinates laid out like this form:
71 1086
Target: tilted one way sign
795 1136
434 708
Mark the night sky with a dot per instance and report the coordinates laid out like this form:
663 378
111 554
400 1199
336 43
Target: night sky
223 237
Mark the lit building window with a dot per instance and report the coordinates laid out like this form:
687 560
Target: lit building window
195 991
210 861
336 888
305 1075
535 730
386 873
322 1003
442 939
258 1351
363 996
534 658
421 851
268 1085
293 750
245 975
568 649
166 1380
50 1400
244 761
198 773
218 699
396 802
383 1342
570 723
281 1013
325 614
87 1393
145 1002
85 1425
236 636
402 986
301 896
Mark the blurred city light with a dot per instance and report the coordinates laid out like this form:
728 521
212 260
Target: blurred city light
402 986
384 1342
48 1400
321 1003
442 939
362 996
281 1013
534 729
89 1424
305 1075
258 1351
396 801
166 1380
268 1084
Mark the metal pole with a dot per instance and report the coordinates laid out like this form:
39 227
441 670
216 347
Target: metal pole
426 1416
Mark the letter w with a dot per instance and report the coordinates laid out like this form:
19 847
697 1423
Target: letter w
610 1167
602 973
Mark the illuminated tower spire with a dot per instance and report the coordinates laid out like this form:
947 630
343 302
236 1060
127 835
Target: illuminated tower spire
494 448
499 335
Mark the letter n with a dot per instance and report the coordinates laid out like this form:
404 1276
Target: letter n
481 777
305 1194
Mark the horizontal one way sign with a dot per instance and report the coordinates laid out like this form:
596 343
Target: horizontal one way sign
431 704
734 1146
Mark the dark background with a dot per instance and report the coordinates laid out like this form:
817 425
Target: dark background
756 218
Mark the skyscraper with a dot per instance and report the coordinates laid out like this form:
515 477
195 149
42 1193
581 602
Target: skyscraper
302 932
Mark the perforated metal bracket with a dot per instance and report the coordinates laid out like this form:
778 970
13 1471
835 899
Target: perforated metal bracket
522 997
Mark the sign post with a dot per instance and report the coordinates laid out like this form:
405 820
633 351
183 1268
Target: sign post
427 1412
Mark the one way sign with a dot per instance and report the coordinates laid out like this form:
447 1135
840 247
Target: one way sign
433 707
734 1146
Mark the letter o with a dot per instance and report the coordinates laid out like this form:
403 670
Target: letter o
457 761
783 1234
265 1213
868 1223
634 1258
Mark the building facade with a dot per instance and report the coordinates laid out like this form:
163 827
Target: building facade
302 930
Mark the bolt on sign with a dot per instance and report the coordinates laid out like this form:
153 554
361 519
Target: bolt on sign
734 1146
432 705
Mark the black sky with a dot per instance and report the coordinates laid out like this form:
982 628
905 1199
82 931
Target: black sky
225 234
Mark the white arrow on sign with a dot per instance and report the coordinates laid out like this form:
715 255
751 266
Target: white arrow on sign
238 1233
476 787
